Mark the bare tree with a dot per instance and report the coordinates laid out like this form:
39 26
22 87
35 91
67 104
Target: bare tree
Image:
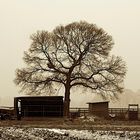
75 55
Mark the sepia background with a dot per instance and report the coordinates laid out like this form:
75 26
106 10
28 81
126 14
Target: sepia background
21 18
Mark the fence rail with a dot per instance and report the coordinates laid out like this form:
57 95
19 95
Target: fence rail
120 113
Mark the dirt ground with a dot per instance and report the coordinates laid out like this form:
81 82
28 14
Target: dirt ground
77 123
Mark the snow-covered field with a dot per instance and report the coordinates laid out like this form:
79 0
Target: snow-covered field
23 133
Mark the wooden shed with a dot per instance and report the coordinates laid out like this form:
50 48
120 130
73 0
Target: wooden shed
38 106
99 109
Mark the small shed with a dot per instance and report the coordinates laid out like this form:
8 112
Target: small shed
99 109
133 111
38 106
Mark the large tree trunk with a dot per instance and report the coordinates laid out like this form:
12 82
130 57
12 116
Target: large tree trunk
67 102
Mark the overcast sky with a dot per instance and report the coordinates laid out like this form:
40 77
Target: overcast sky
21 18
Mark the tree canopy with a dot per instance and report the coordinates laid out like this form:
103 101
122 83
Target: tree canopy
75 55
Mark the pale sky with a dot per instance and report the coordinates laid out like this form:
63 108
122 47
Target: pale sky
21 18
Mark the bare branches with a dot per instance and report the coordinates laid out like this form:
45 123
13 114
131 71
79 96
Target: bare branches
73 55
107 79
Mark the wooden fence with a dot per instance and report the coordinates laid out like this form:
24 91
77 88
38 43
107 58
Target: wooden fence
114 113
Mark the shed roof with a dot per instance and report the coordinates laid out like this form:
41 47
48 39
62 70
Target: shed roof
97 102
39 97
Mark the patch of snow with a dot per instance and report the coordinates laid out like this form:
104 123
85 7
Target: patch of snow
59 131
63 134
81 134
